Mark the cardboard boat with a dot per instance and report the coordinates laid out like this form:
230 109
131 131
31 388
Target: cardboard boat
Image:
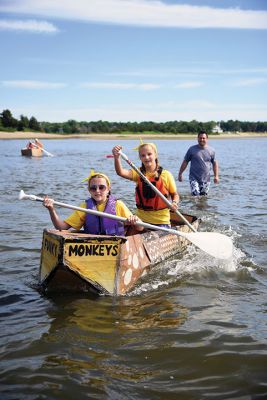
72 261
32 152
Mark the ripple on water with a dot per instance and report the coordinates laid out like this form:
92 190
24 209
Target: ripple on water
195 328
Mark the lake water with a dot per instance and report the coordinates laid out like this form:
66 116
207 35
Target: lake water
195 328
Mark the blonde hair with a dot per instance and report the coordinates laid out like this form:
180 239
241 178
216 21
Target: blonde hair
152 145
94 174
99 175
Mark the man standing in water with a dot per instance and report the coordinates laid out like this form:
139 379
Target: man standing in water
202 158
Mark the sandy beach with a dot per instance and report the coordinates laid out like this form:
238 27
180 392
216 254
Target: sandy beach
92 136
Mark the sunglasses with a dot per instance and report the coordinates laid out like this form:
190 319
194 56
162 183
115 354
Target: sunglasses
93 188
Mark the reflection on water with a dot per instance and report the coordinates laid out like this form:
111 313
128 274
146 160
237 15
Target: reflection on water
194 328
106 315
92 339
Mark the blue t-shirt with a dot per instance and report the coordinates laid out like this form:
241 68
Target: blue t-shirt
201 161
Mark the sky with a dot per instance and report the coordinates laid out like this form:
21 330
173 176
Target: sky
134 60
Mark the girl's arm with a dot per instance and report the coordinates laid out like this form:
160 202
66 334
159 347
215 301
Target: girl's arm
57 222
123 172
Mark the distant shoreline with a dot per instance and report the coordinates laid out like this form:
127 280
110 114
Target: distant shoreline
118 136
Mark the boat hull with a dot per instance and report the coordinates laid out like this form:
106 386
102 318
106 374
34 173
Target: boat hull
34 152
109 265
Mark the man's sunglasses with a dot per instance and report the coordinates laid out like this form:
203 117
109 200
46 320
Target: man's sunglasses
93 188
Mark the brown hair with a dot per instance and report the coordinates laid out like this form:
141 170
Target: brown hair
202 133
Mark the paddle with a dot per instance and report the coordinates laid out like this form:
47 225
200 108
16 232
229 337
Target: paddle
41 148
214 244
169 204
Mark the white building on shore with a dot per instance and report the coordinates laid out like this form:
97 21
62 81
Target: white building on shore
217 129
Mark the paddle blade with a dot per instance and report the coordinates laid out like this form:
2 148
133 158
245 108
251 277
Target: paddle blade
21 195
213 243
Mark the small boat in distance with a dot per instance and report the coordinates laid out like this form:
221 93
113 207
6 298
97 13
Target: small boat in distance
72 261
31 152
33 149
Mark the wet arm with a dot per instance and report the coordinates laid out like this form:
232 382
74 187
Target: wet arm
182 169
216 171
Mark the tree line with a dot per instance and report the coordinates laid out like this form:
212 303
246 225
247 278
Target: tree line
9 123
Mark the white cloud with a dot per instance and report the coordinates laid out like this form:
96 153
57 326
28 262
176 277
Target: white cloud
162 112
189 72
120 86
250 82
188 85
150 13
28 26
27 84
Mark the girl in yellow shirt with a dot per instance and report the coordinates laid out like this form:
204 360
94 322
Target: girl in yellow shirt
150 208
100 200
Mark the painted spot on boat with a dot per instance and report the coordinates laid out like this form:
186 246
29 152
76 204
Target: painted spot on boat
128 277
135 261
130 259
141 252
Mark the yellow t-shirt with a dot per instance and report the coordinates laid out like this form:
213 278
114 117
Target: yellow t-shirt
77 219
159 216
